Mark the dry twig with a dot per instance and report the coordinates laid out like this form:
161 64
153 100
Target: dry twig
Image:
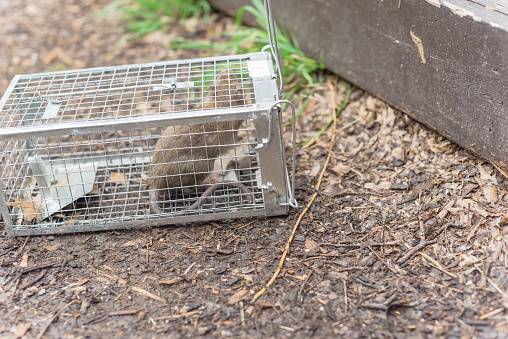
383 261
423 243
438 265
177 316
43 265
54 317
392 243
123 312
311 200
500 291
490 314
345 295
39 277
22 247
381 306
303 285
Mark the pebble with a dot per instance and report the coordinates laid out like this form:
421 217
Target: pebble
399 186
101 238
232 281
431 223
398 163
221 270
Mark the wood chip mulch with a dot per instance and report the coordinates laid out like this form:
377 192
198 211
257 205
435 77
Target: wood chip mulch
406 237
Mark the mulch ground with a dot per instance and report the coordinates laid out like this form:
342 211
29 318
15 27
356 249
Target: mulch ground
406 238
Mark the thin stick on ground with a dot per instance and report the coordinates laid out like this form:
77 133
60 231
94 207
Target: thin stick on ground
54 317
504 294
311 200
423 242
40 266
345 294
22 247
308 143
383 261
438 265
34 281
305 283
391 243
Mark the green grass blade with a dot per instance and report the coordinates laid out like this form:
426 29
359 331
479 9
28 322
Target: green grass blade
329 124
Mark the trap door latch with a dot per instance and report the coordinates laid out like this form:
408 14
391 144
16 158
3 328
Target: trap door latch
264 138
263 79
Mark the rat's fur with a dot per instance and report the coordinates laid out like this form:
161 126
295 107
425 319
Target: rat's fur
175 163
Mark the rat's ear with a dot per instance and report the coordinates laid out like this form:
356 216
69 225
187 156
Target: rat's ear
239 89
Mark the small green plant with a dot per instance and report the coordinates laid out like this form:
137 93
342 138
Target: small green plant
142 17
298 69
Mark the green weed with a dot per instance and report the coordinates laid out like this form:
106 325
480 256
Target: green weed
299 70
340 109
142 17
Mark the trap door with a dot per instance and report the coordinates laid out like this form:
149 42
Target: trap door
56 190
268 124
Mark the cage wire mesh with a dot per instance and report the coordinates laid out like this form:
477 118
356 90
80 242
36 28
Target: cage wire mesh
147 144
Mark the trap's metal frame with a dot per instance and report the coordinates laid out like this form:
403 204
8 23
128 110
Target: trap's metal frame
77 145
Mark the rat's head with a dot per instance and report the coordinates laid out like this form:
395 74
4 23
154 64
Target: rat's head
225 77
226 87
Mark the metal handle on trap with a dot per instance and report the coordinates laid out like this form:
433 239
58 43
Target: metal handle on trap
274 47
291 185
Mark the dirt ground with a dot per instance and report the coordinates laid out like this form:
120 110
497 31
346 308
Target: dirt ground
353 269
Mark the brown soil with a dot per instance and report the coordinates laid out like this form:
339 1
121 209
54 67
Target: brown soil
346 273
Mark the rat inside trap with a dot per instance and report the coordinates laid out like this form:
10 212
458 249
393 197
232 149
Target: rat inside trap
78 146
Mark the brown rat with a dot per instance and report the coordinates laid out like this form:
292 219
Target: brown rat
184 156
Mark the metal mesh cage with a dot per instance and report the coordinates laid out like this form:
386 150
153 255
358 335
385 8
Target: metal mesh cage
137 145
116 92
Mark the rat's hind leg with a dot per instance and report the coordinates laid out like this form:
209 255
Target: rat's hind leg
154 203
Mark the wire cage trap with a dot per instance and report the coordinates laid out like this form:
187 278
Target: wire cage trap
144 145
